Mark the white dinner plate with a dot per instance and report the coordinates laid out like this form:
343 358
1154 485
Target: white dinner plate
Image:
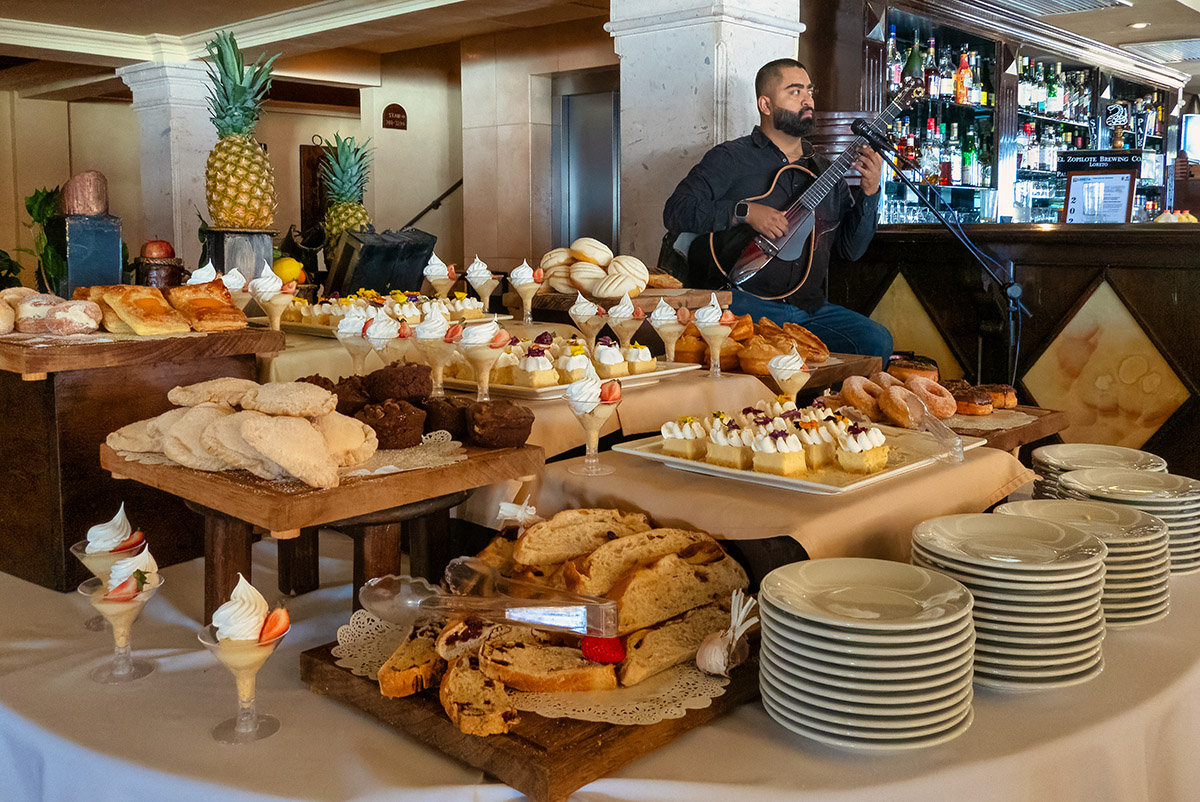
1118 621
1034 661
1124 484
1006 573
865 744
876 707
1120 560
1004 637
868 679
831 661
1118 593
873 594
998 618
1113 523
866 636
1042 683
879 694
995 541
1033 597
804 638
1054 649
998 581
986 629
833 672
1079 456
795 713
1047 672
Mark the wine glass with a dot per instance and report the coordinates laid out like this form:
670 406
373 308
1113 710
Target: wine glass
120 616
243 658
100 563
592 422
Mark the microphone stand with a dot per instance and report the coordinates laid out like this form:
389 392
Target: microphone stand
1009 300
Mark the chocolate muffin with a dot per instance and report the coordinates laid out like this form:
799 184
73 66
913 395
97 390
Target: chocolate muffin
399 380
448 413
499 424
319 380
351 395
397 424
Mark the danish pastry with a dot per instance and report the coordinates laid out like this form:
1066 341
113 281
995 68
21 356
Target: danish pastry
808 344
145 310
110 320
207 307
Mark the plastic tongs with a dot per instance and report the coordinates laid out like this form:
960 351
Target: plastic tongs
951 444
475 588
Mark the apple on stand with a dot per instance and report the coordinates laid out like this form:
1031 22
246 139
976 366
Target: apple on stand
157 249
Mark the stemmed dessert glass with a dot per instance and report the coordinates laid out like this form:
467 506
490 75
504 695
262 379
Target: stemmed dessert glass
243 658
590 326
120 616
592 422
359 349
437 353
715 337
669 332
483 357
100 563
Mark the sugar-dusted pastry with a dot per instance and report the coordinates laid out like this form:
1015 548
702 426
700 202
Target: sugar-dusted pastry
223 438
73 317
13 295
294 444
182 441
349 441
111 320
207 307
31 311
226 390
145 310
144 436
297 399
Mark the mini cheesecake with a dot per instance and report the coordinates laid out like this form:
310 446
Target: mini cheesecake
572 366
819 441
535 369
780 453
639 359
505 368
730 447
610 364
685 437
862 449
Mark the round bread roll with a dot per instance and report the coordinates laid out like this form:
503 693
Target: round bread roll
614 286
586 249
630 266
556 258
585 276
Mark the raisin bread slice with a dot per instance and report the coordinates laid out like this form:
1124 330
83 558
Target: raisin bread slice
674 641
414 666
541 668
595 574
476 703
574 532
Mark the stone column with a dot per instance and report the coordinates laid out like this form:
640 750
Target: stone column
176 136
687 84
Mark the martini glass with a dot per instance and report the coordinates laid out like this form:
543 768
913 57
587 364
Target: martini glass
100 563
592 422
120 616
483 357
243 658
790 383
626 329
358 347
437 353
590 326
275 306
669 333
484 289
396 350
715 336
527 291
441 286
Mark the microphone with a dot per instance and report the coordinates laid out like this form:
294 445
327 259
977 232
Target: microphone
874 138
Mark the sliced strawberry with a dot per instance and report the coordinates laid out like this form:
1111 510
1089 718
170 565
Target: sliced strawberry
130 542
126 591
366 325
727 318
454 333
638 314
610 391
684 315
405 330
600 310
276 623
538 275
289 288
602 650
450 274
500 340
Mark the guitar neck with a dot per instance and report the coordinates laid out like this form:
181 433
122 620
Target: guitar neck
816 193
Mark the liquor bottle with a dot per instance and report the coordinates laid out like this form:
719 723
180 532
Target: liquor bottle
975 96
983 77
955 156
933 78
1023 91
963 80
912 65
931 153
1049 148
895 64
944 167
1023 149
946 70
970 159
1054 104
1039 88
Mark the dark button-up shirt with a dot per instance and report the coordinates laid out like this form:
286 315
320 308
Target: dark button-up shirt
744 168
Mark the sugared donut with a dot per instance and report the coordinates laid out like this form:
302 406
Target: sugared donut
972 401
1003 395
863 395
885 380
937 399
903 369
900 405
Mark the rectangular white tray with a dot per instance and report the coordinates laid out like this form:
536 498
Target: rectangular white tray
314 330
547 393
910 451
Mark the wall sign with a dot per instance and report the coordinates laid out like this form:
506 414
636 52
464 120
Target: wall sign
1073 161
394 116
1116 114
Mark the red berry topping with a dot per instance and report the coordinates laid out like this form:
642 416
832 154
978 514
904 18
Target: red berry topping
454 333
610 391
276 623
603 650
500 340
130 542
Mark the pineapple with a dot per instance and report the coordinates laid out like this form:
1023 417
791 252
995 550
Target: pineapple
345 172
238 181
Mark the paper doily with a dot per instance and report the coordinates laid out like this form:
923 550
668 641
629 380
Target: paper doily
1000 419
366 643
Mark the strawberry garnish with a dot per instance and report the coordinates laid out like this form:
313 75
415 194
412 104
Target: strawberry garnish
276 623
289 288
602 650
450 274
727 318
500 340
405 330
600 310
638 314
366 325
538 275
684 315
130 542
129 589
610 391
454 333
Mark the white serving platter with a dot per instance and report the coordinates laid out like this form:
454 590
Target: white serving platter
663 370
330 332
910 451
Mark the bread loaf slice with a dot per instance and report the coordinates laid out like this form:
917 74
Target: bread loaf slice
674 641
462 637
540 668
595 574
476 703
414 666
699 574
499 554
574 532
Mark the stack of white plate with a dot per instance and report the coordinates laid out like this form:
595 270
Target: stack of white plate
1050 462
1174 499
1037 588
1138 565
866 654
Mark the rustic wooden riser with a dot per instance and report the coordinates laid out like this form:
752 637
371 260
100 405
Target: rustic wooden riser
546 759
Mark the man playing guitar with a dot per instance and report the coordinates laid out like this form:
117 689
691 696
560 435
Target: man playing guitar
740 186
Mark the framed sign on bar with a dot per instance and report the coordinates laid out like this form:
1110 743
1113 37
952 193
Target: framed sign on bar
1099 196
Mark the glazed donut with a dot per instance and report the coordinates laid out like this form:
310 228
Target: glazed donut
937 399
902 369
895 403
863 395
885 380
1003 395
972 401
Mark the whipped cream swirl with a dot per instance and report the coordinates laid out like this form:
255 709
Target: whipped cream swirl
664 314
582 307
622 311
123 569
234 280
480 333
204 275
242 617
477 272
436 268
584 395
786 365
608 355
521 274
351 325
382 328
108 535
266 286
433 327
709 315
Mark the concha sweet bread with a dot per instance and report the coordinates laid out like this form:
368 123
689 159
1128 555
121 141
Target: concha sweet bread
559 279
615 286
585 276
630 266
587 249
559 257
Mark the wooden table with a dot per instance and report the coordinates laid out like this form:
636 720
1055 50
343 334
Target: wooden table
61 397
233 502
1048 422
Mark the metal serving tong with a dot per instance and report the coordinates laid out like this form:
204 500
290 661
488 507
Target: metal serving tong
475 588
951 444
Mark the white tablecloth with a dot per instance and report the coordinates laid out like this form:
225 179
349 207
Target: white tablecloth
1124 737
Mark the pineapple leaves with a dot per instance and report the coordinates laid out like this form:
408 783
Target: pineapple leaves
235 93
346 169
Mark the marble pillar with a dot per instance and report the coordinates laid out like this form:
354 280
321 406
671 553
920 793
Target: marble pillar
176 136
687 84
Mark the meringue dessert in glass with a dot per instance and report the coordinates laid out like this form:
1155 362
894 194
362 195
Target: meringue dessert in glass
482 280
383 331
351 333
593 404
482 346
789 372
440 276
625 319
525 282
715 327
665 320
235 282
398 349
435 342
104 545
272 295
242 636
131 583
589 317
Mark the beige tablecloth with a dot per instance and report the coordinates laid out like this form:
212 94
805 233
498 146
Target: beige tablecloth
875 521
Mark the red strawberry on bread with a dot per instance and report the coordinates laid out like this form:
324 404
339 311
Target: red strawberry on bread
602 650
610 391
277 622
130 542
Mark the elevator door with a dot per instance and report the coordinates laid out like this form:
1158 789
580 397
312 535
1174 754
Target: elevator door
587 163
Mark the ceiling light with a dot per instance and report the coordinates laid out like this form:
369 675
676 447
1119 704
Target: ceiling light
1139 25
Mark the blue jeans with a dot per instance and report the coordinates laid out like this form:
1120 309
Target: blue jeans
845 332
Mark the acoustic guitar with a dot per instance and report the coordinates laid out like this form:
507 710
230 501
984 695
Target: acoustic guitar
739 253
